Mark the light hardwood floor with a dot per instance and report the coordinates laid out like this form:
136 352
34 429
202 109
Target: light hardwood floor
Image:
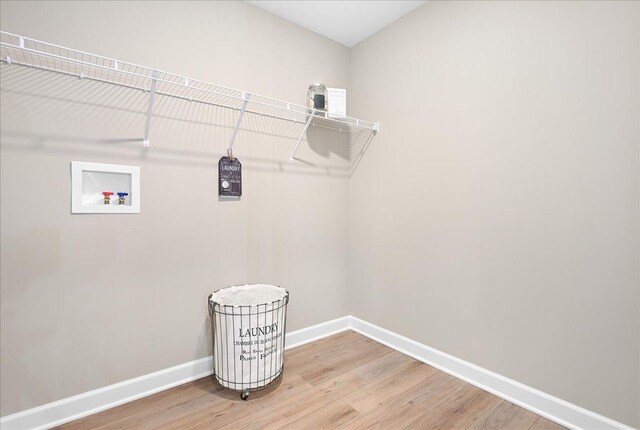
346 381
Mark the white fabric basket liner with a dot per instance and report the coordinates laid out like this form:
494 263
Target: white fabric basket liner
249 328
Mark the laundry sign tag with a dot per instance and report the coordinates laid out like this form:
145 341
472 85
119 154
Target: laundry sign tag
229 177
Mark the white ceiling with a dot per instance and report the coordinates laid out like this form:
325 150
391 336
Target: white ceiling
346 22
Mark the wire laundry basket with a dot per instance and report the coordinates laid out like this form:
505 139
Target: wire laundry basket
248 330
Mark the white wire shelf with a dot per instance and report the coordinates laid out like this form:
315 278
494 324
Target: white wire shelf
16 49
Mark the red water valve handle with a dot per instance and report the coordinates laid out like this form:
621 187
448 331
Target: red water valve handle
107 197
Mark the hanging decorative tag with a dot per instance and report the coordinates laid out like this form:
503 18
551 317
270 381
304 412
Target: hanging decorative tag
229 177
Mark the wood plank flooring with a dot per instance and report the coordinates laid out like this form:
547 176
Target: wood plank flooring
346 381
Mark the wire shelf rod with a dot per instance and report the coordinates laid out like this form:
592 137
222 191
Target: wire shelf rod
184 98
40 55
176 81
303 110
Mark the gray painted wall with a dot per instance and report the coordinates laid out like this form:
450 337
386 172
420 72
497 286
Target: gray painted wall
90 300
496 216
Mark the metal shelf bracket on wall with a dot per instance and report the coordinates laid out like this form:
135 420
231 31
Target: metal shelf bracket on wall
304 130
243 109
152 99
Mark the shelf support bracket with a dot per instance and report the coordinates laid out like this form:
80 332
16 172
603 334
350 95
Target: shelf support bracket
152 99
304 130
243 109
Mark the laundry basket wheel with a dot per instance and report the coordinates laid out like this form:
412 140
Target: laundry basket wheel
244 395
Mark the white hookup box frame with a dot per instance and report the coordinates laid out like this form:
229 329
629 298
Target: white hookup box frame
89 180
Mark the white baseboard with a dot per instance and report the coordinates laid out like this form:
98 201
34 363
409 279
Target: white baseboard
557 410
91 402
318 331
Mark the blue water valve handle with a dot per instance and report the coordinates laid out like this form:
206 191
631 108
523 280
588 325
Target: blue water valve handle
121 197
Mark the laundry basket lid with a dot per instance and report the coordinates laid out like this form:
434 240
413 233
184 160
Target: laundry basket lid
248 295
